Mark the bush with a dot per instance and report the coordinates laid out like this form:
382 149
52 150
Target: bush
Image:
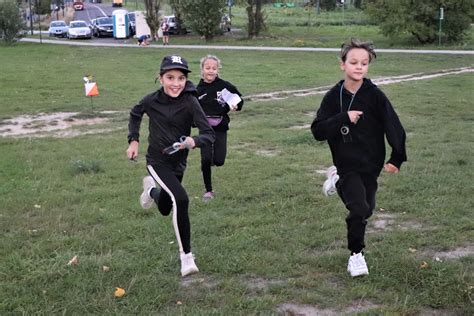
421 18
203 16
11 24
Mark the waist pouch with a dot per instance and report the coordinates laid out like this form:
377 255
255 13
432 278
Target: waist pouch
214 120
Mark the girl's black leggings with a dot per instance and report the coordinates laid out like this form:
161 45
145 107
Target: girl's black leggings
213 155
172 197
357 192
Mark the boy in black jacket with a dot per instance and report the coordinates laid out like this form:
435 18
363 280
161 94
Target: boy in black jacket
171 111
355 117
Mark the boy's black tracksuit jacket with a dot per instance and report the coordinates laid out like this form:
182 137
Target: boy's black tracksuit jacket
366 152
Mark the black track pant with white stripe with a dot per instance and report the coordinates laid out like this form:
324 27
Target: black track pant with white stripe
172 197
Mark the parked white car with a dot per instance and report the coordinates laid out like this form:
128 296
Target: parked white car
58 28
79 29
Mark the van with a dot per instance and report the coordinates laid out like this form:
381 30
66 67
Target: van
172 22
117 3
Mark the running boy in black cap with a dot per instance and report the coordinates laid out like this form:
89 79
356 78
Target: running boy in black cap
355 117
171 111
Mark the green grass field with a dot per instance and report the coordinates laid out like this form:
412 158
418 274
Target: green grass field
270 243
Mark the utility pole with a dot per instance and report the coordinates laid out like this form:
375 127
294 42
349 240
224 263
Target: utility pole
39 21
31 17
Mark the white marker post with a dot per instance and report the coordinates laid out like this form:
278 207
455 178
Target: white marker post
441 18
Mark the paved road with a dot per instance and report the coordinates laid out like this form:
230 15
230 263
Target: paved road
256 48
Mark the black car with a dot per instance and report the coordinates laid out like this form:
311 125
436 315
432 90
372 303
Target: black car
102 27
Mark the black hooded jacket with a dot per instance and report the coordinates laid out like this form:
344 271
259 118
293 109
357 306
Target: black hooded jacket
169 119
365 152
208 95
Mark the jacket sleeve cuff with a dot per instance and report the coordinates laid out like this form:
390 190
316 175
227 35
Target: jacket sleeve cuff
131 139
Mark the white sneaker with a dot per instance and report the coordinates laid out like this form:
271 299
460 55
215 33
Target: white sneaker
357 266
187 264
146 201
329 186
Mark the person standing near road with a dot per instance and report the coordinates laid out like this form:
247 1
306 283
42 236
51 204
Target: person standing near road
172 111
354 118
217 98
165 29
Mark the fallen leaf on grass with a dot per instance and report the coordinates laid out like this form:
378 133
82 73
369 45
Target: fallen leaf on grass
74 261
424 265
119 292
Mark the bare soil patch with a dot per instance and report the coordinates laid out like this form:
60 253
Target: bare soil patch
382 222
59 124
314 310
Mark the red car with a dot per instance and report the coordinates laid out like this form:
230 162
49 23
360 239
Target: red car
78 5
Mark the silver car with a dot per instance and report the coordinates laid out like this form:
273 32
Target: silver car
79 29
58 28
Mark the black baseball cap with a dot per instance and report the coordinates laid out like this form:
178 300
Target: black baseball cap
174 62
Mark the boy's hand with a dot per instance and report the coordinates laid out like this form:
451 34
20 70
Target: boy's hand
354 116
132 150
391 168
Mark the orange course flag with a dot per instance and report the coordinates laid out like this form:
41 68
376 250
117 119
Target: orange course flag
91 89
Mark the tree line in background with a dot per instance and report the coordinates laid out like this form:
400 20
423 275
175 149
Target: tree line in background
420 19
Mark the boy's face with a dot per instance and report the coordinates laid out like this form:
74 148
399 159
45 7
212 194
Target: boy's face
209 70
173 82
356 65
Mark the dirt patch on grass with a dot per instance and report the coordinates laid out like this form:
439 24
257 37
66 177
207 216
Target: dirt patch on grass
310 310
198 282
305 126
58 124
457 253
383 222
268 152
262 284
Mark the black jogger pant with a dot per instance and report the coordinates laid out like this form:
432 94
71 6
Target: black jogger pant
172 197
357 192
213 155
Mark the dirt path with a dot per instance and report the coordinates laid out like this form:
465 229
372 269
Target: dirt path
378 81
68 124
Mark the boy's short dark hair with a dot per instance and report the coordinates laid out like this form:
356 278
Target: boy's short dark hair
355 43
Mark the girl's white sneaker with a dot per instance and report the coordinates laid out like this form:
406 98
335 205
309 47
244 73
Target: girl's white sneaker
146 201
187 264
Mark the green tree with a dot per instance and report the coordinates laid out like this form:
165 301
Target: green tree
152 16
256 18
203 16
11 23
421 18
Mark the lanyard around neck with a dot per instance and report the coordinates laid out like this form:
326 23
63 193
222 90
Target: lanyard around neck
340 98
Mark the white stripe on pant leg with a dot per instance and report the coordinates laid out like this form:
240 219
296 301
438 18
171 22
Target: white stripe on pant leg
175 207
